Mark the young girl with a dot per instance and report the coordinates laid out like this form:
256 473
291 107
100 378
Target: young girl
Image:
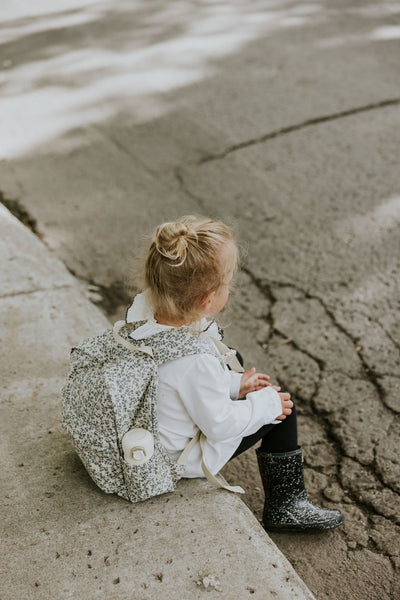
188 271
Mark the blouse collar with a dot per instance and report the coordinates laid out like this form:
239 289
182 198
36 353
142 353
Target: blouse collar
142 310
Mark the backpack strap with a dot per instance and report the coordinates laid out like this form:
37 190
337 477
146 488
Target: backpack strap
213 479
118 338
228 356
216 479
182 460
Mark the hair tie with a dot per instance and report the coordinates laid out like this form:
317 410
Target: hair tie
171 242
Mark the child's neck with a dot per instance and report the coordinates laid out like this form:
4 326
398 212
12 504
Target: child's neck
165 320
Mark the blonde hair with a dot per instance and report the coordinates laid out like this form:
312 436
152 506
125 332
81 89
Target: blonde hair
184 264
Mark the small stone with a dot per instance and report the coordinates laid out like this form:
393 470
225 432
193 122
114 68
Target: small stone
352 545
210 582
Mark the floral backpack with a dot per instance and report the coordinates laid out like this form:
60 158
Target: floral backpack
111 392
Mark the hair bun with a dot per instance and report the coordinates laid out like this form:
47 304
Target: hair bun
171 240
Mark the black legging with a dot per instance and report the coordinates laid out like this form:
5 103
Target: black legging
275 438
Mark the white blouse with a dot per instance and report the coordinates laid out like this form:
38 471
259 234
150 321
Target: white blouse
196 392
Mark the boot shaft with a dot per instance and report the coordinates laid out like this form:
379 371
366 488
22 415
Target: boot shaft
281 473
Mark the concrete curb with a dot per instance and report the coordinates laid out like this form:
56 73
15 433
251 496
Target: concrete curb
63 537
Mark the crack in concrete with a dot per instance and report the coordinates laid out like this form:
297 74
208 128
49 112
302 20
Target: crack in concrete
124 150
182 184
371 376
298 127
110 297
366 508
365 315
21 213
321 363
36 290
395 343
370 373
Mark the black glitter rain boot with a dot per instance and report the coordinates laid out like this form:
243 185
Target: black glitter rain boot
287 506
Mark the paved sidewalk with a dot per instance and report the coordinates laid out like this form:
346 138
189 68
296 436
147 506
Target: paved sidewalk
64 538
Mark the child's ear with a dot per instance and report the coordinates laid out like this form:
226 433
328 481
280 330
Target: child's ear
206 301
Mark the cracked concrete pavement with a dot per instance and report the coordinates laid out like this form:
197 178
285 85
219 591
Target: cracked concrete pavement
282 118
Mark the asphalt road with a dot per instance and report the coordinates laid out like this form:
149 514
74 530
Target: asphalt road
283 118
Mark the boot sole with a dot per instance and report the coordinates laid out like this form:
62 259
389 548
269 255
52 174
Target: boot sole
300 528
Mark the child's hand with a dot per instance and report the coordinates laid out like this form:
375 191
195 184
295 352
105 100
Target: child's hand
286 405
252 381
